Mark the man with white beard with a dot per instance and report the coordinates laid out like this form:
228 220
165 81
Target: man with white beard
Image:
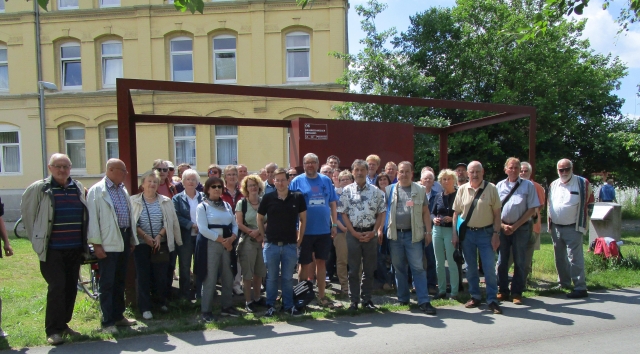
569 200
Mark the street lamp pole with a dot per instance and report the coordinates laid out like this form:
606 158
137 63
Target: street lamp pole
42 86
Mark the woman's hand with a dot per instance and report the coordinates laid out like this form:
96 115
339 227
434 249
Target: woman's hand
254 234
447 219
156 241
148 240
436 221
194 226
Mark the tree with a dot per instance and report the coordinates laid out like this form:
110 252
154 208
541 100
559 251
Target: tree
458 54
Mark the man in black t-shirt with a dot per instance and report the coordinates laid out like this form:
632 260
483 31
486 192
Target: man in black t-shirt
283 208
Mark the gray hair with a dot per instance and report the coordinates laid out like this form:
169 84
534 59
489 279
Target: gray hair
58 156
359 162
153 173
570 163
526 164
311 156
190 172
475 163
427 172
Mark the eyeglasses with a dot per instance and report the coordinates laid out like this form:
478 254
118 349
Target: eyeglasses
213 172
292 174
61 167
216 186
562 170
122 169
161 169
345 180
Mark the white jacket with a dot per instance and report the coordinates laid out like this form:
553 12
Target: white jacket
103 221
169 218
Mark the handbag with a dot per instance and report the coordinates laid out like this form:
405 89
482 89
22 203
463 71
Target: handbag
158 255
461 225
457 255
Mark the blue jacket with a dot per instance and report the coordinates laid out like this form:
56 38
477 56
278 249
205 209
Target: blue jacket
181 204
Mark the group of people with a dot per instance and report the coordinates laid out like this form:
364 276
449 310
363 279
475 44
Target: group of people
238 229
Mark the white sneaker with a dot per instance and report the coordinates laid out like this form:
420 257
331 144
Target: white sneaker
3 333
237 290
147 315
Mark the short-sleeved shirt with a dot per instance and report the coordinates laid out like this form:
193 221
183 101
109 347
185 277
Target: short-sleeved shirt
283 216
607 193
565 202
487 203
362 205
318 193
523 199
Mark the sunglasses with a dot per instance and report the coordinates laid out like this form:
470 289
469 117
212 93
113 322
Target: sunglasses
171 169
161 169
562 170
213 172
216 186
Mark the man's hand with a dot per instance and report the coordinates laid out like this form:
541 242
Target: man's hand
8 251
508 229
99 251
334 231
454 240
427 238
495 242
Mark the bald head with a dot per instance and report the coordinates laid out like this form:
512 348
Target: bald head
476 174
116 171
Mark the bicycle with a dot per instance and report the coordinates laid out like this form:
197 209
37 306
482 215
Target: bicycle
89 276
18 229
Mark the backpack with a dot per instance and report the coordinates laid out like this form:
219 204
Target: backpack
303 294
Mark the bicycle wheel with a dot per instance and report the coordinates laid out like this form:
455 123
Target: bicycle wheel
19 230
88 280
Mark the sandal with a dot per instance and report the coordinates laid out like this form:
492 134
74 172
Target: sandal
328 303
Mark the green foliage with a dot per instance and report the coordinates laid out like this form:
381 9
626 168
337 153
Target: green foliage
631 209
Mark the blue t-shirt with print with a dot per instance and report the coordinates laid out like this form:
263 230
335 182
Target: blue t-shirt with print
318 193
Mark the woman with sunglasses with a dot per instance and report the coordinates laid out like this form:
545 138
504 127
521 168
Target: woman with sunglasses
383 274
166 186
217 231
158 231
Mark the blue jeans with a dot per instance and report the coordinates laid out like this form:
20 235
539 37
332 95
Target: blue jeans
113 273
480 240
432 274
280 259
406 253
383 275
519 240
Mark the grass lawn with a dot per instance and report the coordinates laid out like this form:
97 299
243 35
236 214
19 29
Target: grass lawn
23 293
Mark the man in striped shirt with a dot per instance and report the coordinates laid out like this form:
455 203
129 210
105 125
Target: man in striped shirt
54 213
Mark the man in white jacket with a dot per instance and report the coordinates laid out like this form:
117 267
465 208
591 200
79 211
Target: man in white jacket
110 234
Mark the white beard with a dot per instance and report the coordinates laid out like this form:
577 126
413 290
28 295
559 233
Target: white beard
566 179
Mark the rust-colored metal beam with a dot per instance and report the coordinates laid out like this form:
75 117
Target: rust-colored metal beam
428 130
532 143
444 149
248 122
482 122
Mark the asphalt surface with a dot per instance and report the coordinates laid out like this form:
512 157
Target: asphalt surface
606 322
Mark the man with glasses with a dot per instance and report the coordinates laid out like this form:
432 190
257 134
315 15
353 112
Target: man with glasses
570 202
54 213
327 171
269 186
322 217
112 239
292 173
214 171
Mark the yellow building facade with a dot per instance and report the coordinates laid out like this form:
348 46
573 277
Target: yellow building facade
85 45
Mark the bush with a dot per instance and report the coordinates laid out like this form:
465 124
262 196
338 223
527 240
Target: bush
631 208
596 263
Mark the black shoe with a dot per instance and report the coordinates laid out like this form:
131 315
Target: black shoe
271 312
262 302
495 308
250 307
577 294
230 311
403 303
433 290
440 296
428 308
294 312
369 306
207 317
472 303
353 308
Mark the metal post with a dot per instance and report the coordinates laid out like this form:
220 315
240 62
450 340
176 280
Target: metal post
43 133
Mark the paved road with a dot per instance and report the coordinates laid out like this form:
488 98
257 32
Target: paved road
606 322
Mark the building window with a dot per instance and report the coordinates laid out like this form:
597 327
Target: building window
67 4
111 63
109 3
1 6
227 145
224 62
9 150
4 67
74 145
182 59
298 56
111 141
184 137
71 66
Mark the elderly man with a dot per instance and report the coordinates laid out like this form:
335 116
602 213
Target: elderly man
391 169
333 161
363 211
570 201
437 187
373 163
322 218
519 201
269 186
327 170
461 173
480 198
110 234
54 214
242 172
408 230
427 179
607 192
534 241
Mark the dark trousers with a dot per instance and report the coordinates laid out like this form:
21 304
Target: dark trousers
432 272
365 254
145 270
185 253
60 271
113 273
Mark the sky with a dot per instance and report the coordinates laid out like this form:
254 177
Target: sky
600 30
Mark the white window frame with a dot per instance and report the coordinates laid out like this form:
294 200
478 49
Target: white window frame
5 128
110 140
60 7
185 138
102 4
171 53
3 7
225 51
227 137
5 64
106 57
63 61
298 49
76 168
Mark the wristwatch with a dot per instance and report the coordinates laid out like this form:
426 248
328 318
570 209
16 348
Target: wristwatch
334 225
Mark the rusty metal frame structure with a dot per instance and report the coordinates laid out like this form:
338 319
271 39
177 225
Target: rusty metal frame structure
127 118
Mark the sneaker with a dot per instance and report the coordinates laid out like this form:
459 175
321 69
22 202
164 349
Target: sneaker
270 312
262 302
71 333
250 307
577 294
3 333
125 322
164 308
230 311
353 308
110 330
428 308
147 315
495 308
294 312
207 317
369 306
237 290
517 300
472 303
55 339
